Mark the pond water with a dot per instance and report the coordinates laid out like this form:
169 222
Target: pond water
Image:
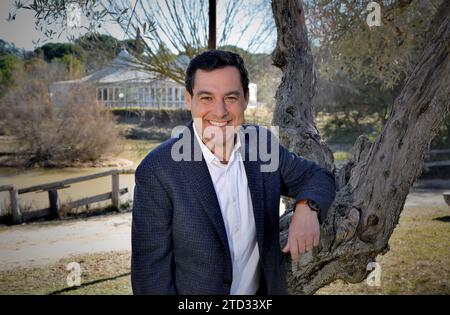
134 151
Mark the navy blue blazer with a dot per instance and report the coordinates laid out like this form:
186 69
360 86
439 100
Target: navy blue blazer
179 243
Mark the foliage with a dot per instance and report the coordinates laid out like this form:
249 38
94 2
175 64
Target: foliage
100 49
10 49
73 66
51 51
385 53
362 69
8 64
70 55
152 26
351 103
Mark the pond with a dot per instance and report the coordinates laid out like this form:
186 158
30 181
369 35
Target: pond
135 151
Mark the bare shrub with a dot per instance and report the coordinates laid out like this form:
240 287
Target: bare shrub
77 130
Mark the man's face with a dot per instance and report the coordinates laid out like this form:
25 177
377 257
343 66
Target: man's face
217 104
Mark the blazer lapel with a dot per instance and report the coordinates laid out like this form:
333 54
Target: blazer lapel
255 184
197 173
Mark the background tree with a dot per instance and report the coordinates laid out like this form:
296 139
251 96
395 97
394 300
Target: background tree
152 26
99 49
387 53
10 49
352 107
371 64
8 63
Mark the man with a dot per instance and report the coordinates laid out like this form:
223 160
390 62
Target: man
211 225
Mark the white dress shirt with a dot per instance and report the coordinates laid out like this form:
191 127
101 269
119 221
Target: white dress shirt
231 186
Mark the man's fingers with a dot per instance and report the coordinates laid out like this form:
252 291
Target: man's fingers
316 240
309 243
301 245
286 248
294 250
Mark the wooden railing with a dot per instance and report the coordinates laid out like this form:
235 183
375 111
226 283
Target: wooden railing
52 189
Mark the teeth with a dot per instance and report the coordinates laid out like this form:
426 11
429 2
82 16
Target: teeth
217 124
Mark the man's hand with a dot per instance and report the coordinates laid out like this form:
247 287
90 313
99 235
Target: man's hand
304 231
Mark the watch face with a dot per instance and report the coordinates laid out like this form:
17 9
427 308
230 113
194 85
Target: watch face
313 205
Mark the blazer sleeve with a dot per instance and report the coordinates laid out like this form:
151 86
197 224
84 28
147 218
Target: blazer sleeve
152 263
304 179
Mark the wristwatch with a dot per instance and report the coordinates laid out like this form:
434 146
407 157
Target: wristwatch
313 206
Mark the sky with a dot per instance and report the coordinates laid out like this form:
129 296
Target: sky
21 32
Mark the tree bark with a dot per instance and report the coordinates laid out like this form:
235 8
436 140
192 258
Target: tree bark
373 186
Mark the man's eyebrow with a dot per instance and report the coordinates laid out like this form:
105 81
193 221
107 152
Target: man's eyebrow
233 93
236 92
203 92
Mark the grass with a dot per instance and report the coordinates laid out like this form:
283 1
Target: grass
342 156
419 259
418 263
136 150
104 273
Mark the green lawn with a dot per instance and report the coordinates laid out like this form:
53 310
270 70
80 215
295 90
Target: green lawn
418 263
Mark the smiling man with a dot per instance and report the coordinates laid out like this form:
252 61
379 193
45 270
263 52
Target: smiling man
210 225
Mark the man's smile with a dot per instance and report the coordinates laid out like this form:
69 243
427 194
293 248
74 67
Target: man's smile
218 123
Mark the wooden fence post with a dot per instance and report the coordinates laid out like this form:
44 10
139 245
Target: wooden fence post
53 200
115 196
16 214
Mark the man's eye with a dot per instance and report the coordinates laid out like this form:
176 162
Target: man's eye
231 99
206 98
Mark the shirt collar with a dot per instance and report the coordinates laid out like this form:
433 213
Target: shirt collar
209 156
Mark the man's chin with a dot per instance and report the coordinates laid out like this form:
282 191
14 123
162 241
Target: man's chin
224 140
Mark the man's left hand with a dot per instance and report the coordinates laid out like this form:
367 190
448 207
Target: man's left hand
304 231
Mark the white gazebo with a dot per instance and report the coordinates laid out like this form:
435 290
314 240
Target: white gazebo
125 84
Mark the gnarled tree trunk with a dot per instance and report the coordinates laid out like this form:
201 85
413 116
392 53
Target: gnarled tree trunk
373 186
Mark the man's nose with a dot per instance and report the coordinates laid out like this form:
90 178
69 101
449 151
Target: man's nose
220 109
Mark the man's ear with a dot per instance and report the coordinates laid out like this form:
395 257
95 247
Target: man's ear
188 98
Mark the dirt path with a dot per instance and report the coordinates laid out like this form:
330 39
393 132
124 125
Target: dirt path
43 243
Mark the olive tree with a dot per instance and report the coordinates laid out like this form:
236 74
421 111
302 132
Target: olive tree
373 186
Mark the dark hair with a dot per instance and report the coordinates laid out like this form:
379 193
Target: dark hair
215 59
